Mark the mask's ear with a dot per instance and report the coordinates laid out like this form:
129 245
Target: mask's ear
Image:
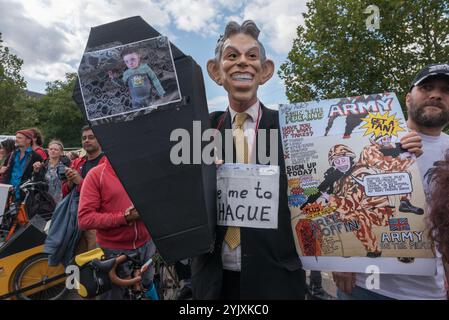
214 72
267 71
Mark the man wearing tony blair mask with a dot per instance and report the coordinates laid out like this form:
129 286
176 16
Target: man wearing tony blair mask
248 262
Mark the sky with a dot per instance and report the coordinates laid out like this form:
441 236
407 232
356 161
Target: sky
50 35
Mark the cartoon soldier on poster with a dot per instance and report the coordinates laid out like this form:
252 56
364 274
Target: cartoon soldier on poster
343 193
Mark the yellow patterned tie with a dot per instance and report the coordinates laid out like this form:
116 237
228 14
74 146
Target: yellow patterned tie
232 236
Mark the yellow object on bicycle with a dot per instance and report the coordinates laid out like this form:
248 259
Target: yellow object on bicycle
93 280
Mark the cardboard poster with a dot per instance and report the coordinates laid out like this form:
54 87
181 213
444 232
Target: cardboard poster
175 201
248 195
352 190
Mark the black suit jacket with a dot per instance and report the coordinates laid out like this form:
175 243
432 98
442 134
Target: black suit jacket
271 268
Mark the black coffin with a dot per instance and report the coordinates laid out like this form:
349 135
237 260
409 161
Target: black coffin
176 202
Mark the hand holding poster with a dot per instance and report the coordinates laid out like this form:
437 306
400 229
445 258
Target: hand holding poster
353 191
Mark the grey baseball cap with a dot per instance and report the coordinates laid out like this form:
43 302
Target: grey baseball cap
429 71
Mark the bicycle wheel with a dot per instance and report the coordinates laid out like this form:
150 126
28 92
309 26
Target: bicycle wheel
169 285
35 269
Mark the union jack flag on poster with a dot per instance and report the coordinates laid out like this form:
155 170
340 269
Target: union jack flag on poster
399 224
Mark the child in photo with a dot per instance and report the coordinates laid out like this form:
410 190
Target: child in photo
139 78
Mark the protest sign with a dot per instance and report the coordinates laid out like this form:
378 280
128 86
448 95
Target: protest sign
248 196
352 190
176 202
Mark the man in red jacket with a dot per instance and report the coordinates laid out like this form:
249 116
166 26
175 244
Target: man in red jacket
75 177
105 207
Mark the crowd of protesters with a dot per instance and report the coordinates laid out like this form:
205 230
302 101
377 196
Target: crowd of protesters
107 218
24 158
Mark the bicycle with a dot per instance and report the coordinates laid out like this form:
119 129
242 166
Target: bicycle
98 274
168 284
134 287
99 266
22 251
17 214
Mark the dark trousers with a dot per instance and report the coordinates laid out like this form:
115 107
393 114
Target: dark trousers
315 278
231 285
183 270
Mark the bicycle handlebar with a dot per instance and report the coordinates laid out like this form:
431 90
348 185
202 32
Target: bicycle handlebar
30 184
115 279
119 281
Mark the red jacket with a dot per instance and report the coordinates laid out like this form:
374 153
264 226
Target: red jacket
77 165
103 202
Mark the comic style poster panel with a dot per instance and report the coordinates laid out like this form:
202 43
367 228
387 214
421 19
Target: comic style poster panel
352 190
125 80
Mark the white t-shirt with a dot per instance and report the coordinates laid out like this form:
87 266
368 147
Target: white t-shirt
407 287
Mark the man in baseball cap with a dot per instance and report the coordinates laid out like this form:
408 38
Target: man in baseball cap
428 114
432 70
428 100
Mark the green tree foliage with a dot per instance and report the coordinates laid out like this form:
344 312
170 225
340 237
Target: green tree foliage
59 116
335 55
11 87
25 113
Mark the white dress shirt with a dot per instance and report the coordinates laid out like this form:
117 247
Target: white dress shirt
232 259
